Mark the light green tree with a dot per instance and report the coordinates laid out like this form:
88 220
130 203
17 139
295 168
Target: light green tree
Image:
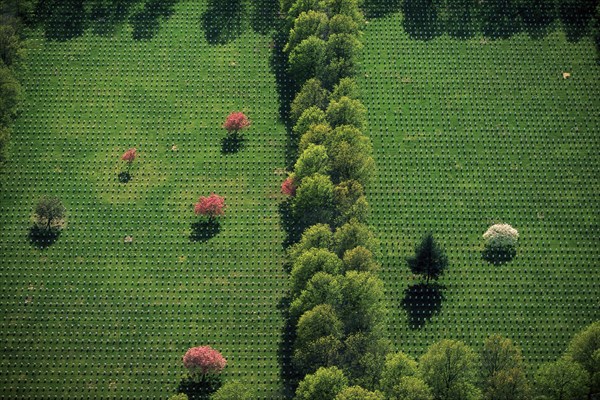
358 393
311 23
360 259
324 384
396 366
313 203
346 111
584 349
307 59
351 235
322 288
311 116
234 390
318 236
310 95
309 263
563 379
313 160
350 154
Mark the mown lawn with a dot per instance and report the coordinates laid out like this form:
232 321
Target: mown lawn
472 132
91 316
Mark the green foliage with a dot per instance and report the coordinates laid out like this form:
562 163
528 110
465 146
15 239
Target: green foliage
322 288
562 380
307 59
343 45
396 366
310 95
360 259
10 96
411 388
363 303
4 138
311 23
324 384
313 203
300 6
499 354
584 349
364 357
318 236
234 390
509 384
318 337
316 134
346 87
596 31
340 23
351 235
49 212
309 117
350 202
311 262
429 260
346 111
449 367
11 46
336 69
350 154
350 8
358 393
313 160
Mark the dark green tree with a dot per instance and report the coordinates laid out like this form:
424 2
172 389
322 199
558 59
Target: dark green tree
429 259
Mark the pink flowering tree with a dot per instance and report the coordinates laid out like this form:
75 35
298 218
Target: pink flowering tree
211 206
288 187
203 363
235 123
129 156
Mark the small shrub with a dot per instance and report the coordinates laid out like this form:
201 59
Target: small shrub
501 243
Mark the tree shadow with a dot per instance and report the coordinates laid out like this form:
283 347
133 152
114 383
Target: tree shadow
498 255
421 301
61 19
124 177
105 17
205 230
263 14
223 20
231 144
287 373
43 237
289 224
538 18
146 22
286 85
200 390
421 19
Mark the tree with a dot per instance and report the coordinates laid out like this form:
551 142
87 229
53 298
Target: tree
449 368
211 206
313 203
363 303
341 23
346 87
313 160
396 367
300 6
289 186
234 390
324 384
350 202
179 396
562 380
318 335
307 59
584 349
311 116
309 263
346 111
350 8
49 212
316 134
351 235
343 46
358 393
502 370
364 357
500 243
311 23
11 45
411 388
351 155
429 259
203 362
4 138
360 259
322 288
235 123
10 96
318 236
310 95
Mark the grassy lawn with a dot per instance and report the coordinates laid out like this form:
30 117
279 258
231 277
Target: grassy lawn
471 132
91 316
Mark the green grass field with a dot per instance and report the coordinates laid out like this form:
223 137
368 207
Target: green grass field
471 132
466 133
91 316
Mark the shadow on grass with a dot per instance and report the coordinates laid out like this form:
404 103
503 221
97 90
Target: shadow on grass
205 230
287 373
232 144
289 224
146 22
200 390
43 237
498 255
421 301
124 177
263 15
224 21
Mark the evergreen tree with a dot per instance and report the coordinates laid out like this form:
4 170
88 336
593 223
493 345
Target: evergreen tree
429 259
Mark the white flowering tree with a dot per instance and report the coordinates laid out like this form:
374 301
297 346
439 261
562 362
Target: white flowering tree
500 243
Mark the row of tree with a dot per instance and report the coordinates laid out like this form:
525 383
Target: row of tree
451 370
